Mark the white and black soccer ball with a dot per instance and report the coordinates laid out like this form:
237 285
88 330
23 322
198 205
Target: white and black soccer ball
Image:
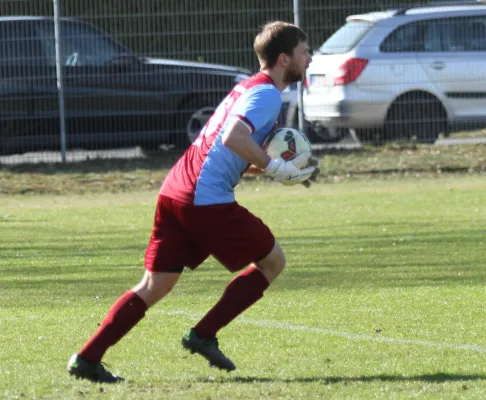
286 143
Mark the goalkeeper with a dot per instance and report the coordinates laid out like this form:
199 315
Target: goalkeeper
197 216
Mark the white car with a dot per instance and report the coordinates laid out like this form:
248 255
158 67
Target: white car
289 116
407 73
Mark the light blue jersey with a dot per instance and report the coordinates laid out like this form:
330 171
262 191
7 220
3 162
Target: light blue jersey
209 171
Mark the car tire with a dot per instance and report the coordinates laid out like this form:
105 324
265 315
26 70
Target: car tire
320 134
373 136
192 116
416 115
197 120
188 120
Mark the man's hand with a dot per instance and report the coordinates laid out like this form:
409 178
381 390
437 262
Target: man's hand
314 162
291 172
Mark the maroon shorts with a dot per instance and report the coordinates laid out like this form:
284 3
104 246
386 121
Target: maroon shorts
185 235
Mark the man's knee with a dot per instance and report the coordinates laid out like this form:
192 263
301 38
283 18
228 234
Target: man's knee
279 260
273 264
155 286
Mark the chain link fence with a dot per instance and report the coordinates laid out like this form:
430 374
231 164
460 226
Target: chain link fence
84 78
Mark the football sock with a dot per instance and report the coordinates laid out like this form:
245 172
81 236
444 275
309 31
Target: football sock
127 311
243 291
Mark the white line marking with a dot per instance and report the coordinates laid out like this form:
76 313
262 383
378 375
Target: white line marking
347 335
304 328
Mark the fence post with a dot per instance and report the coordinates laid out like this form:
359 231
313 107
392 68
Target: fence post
59 75
299 84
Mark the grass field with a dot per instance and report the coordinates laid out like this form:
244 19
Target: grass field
383 298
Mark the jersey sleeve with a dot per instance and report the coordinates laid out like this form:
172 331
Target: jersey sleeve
260 105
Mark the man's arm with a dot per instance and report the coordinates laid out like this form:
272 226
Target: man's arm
237 137
252 170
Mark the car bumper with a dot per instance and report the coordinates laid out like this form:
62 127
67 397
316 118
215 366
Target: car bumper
345 108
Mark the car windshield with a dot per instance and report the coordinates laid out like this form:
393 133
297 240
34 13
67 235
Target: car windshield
346 37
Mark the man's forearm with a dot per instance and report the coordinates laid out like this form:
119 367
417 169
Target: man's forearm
252 170
239 140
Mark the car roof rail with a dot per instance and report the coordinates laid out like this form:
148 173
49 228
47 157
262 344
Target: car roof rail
403 10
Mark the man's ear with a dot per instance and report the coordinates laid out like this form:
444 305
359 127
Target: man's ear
283 60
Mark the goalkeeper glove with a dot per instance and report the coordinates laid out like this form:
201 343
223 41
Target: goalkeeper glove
290 172
314 162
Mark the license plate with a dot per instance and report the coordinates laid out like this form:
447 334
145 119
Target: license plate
319 80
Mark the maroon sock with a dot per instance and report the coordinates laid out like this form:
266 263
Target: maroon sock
127 311
243 291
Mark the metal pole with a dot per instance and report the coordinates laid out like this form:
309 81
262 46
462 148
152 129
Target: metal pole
59 75
300 87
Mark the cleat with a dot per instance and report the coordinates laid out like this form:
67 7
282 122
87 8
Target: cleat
94 372
208 348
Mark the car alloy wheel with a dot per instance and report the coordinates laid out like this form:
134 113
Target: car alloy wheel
197 121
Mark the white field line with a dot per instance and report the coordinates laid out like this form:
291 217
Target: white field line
332 332
302 328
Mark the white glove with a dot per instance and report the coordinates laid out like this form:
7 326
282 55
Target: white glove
314 162
290 172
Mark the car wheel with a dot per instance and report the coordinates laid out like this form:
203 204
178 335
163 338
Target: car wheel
417 115
191 118
331 135
320 134
196 122
373 136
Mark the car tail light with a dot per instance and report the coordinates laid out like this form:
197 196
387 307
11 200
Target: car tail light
306 82
350 70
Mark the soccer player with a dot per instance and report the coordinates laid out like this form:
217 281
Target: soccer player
197 215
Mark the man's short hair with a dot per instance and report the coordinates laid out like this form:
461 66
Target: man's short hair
276 38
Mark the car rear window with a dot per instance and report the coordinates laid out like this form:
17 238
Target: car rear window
346 37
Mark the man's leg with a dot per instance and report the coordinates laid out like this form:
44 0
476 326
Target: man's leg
125 313
242 292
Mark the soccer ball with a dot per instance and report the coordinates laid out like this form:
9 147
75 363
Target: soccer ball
286 143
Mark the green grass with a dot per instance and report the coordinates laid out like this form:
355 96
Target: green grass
384 290
478 133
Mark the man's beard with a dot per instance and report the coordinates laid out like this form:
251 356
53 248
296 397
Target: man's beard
292 75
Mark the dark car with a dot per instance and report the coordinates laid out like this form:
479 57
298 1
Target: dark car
112 98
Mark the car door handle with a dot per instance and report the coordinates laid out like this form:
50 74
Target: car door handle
438 65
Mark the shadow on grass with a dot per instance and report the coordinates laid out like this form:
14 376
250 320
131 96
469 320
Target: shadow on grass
327 380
